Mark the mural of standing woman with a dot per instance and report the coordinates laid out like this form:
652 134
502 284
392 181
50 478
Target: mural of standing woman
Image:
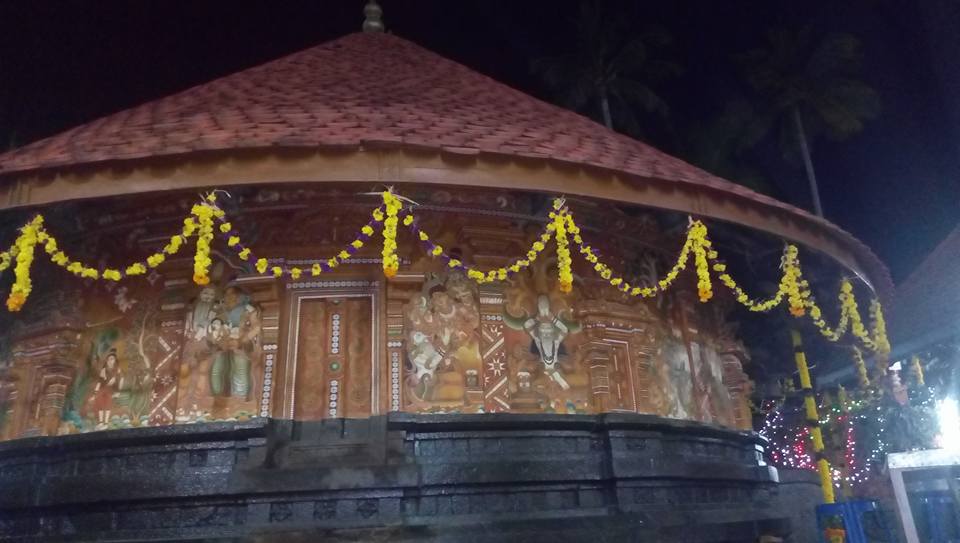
109 380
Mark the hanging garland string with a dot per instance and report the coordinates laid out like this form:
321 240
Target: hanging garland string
861 366
562 227
917 369
554 227
34 233
791 286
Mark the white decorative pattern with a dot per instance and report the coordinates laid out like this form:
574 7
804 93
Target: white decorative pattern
335 333
395 380
269 358
331 284
311 261
334 397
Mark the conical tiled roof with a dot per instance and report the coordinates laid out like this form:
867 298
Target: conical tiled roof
362 88
370 88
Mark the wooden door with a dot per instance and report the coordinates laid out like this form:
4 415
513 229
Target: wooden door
332 360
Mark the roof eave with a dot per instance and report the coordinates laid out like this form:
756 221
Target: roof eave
389 162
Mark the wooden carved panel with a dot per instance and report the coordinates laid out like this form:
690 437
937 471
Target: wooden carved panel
332 353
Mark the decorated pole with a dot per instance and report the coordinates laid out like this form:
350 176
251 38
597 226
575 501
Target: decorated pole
812 417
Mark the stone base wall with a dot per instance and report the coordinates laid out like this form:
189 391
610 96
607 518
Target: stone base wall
403 478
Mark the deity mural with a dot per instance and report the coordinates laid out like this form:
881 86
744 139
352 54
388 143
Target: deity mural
716 405
543 340
160 349
112 388
547 332
442 331
221 343
676 377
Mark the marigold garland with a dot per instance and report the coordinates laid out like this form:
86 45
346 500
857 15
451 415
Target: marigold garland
876 340
618 282
23 249
861 366
263 265
559 221
917 370
701 252
561 225
391 262
201 258
498 274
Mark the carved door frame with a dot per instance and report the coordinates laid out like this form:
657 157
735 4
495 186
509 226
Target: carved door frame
296 294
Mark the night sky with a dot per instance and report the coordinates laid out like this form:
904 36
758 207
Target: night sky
896 186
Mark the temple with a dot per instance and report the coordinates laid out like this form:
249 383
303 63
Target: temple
348 403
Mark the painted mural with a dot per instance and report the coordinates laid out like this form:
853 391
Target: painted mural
221 350
542 338
161 350
129 371
442 335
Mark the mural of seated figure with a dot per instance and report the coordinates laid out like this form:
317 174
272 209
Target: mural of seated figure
441 326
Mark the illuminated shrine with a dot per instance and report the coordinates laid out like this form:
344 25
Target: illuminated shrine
521 364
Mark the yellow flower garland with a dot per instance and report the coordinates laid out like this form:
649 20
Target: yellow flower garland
917 369
862 377
564 271
792 287
264 266
789 286
23 249
36 234
879 327
391 262
663 284
701 251
201 258
497 274
876 340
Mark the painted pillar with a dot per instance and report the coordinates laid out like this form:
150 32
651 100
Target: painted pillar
813 418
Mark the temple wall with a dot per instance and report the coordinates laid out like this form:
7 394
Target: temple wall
159 350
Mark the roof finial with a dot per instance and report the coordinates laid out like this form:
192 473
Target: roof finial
372 21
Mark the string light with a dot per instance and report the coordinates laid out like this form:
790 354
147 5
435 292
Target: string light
789 449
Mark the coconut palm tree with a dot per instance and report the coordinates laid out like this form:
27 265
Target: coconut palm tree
810 87
611 71
716 145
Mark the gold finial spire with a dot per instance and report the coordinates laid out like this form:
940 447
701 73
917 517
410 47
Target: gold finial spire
373 14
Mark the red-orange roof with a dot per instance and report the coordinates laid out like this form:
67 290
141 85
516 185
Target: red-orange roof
364 87
359 89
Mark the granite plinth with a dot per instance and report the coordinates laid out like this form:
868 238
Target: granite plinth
403 477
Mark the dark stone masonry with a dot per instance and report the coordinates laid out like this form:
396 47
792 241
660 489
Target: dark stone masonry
404 478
